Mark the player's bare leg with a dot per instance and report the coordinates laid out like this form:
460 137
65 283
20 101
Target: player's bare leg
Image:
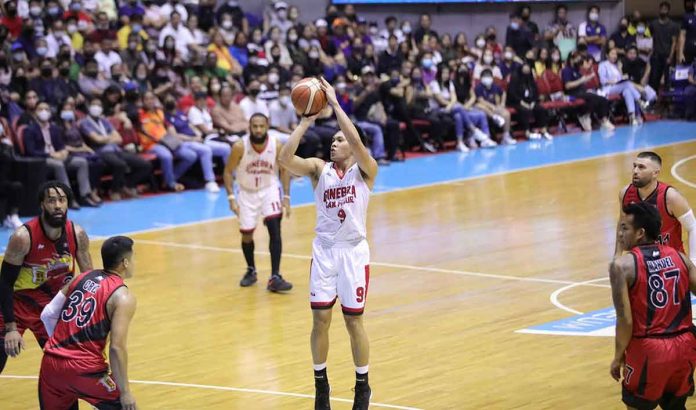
248 249
360 345
320 351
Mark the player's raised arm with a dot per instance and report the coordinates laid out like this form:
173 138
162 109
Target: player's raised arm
619 270
17 248
124 309
679 207
310 167
366 163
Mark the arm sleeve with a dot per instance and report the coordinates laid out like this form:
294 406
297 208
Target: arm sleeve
689 223
8 277
50 314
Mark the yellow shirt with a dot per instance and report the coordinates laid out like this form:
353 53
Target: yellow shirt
225 61
77 41
124 32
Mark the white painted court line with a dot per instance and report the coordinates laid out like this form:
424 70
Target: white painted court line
384 264
235 389
678 177
554 296
414 187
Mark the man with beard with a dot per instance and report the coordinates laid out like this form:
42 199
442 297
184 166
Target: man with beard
39 261
674 210
255 162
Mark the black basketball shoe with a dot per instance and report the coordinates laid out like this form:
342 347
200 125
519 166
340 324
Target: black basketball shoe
277 284
321 397
249 278
363 392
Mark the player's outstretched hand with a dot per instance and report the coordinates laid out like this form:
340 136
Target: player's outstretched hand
128 401
616 368
330 92
14 343
234 206
309 119
286 207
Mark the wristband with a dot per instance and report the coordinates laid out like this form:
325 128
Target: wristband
230 196
286 196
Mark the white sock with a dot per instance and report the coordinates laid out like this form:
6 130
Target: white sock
361 369
319 367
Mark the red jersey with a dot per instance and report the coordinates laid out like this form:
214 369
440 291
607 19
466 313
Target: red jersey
84 324
660 297
671 232
49 265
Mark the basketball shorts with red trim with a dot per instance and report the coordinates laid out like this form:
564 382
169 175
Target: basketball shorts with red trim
28 305
266 202
62 382
659 370
341 272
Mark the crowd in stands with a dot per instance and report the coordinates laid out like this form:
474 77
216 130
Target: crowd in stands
112 88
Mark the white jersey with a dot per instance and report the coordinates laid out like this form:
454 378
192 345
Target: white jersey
258 170
341 206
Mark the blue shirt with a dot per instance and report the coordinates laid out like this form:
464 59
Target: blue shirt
591 30
180 122
488 94
569 74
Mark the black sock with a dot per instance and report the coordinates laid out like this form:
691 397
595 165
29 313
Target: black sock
320 376
275 245
248 249
360 378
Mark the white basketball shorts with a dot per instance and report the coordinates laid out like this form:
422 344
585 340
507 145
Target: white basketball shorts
266 202
339 272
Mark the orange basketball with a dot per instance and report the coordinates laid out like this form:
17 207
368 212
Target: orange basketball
308 97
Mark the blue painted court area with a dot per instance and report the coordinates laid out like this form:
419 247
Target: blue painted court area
597 323
194 206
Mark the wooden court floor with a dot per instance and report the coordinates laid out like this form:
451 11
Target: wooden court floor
457 268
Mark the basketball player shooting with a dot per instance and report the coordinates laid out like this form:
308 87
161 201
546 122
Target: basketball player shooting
340 253
254 163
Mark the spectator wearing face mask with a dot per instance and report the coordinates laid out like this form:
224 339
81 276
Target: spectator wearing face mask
225 61
576 85
134 27
561 32
509 63
467 121
487 62
593 32
233 9
279 55
621 39
28 116
72 138
106 57
614 82
523 96
644 40
37 15
428 68
127 169
492 42
43 139
199 135
665 38
280 18
252 104
490 99
638 72
284 119
518 37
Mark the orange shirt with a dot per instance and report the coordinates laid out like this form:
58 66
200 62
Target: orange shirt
154 125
